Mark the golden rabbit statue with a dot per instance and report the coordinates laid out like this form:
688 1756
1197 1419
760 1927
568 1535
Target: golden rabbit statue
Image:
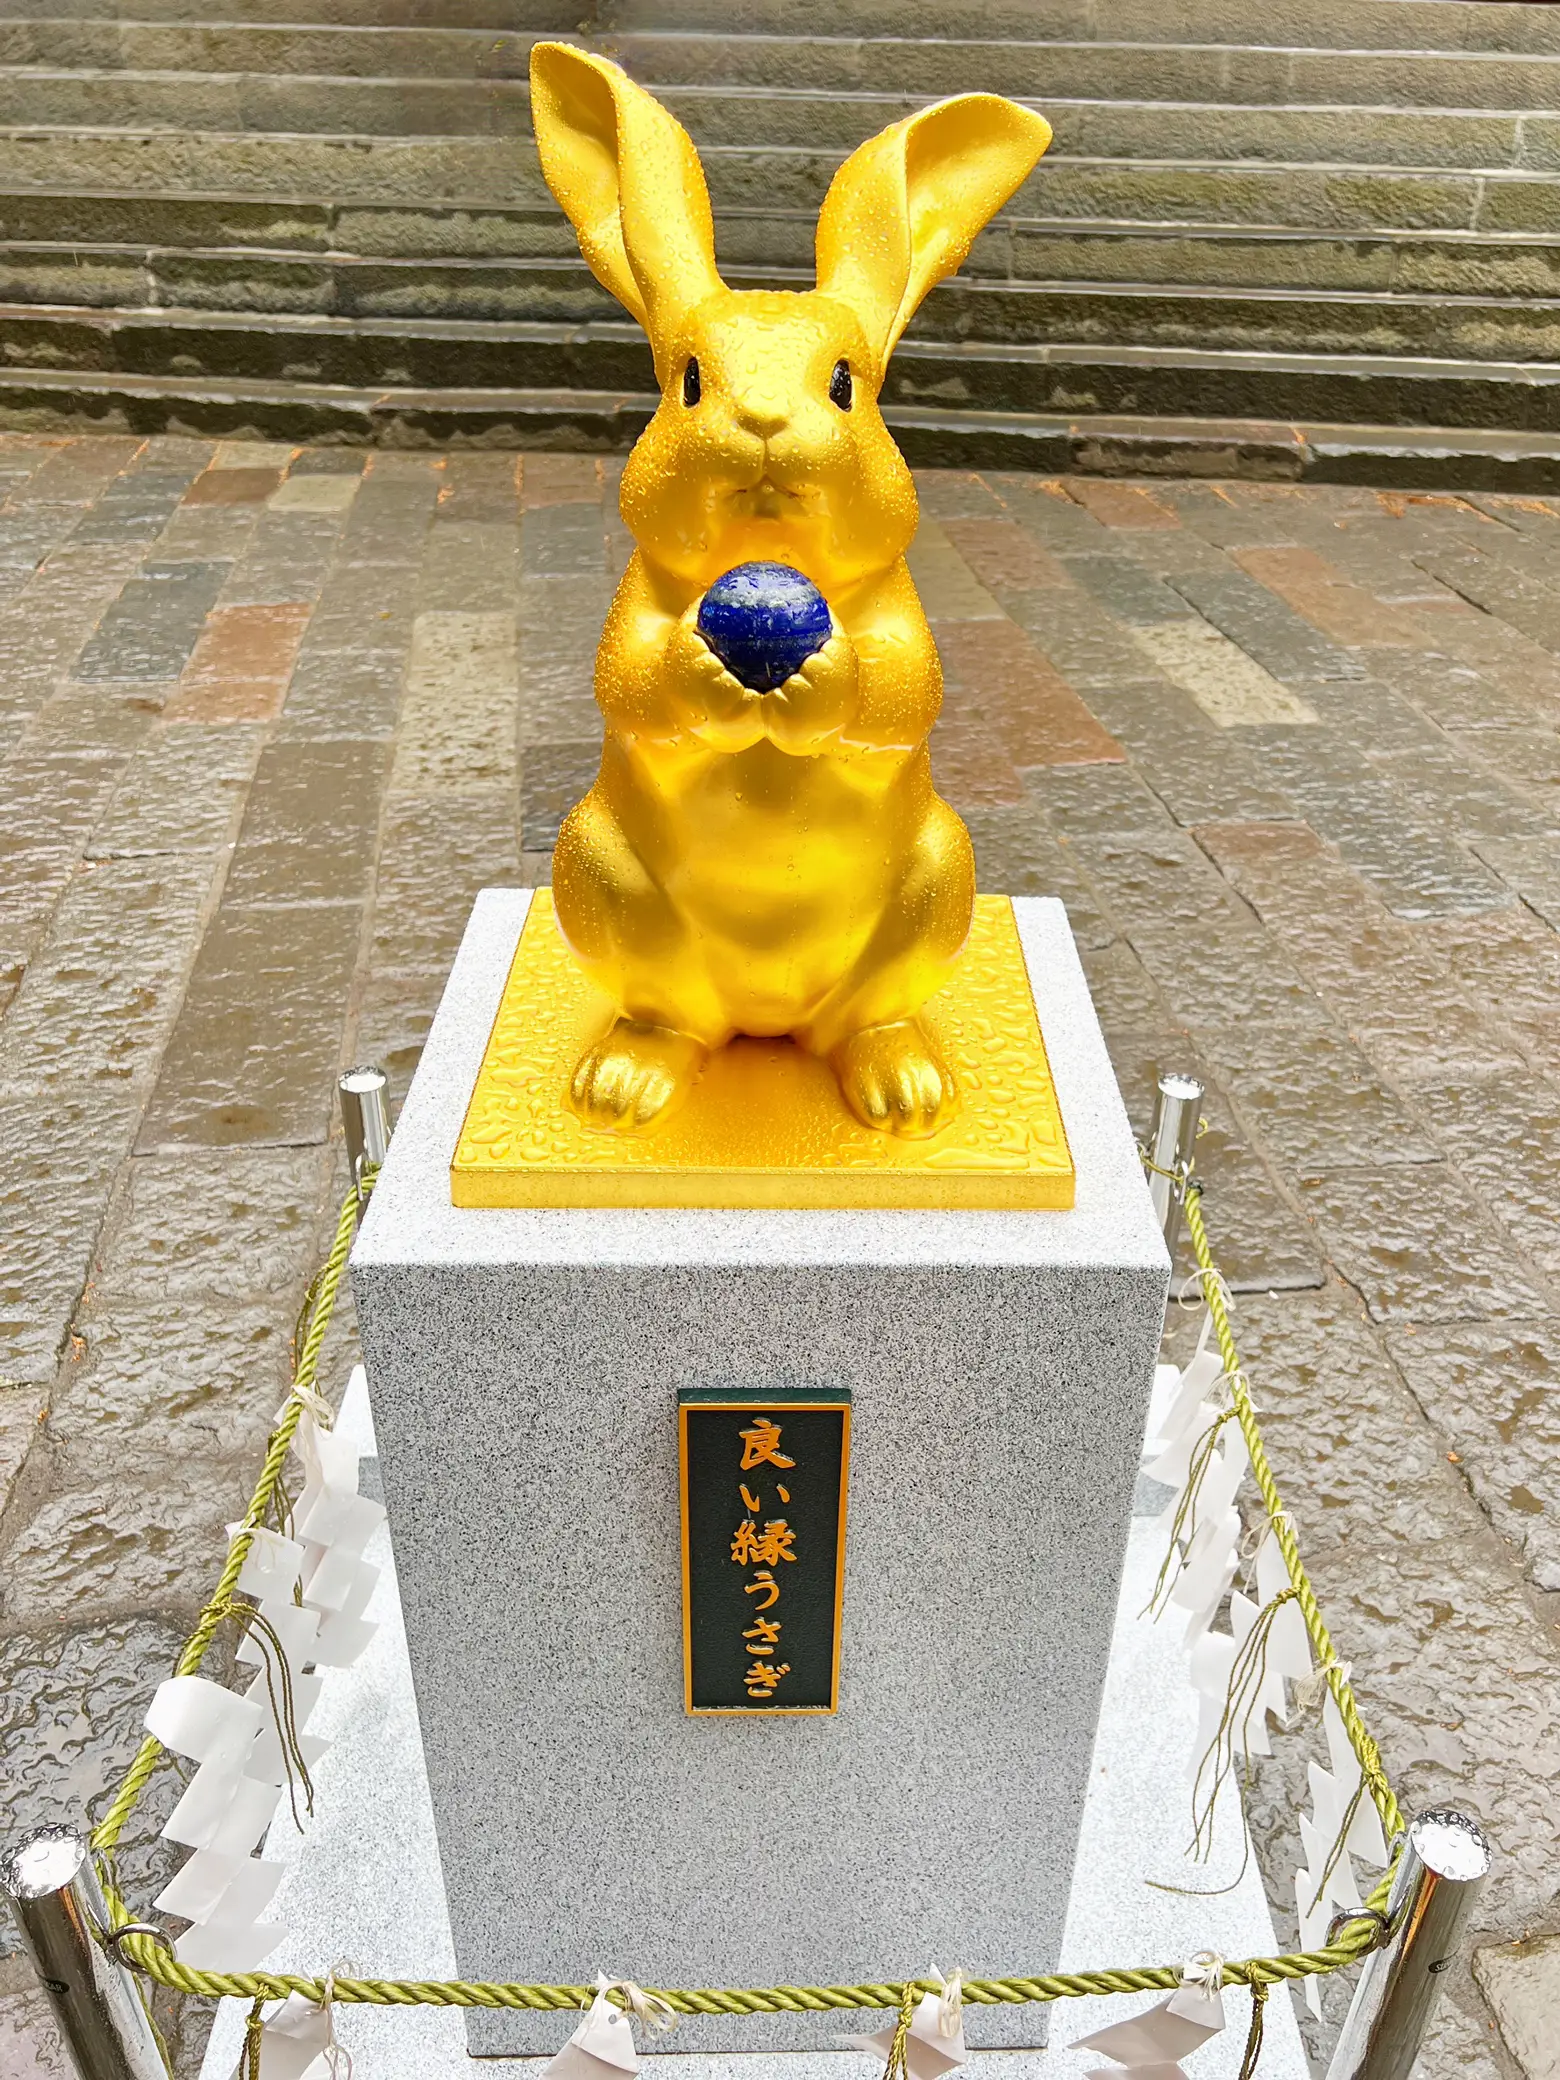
767 862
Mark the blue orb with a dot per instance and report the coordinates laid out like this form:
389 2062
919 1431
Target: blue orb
763 621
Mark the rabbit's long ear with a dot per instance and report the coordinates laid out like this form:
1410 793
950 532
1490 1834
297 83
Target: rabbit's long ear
629 180
904 209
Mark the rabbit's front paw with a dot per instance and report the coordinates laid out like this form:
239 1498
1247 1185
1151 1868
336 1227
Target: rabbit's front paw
635 1074
894 1079
717 708
816 702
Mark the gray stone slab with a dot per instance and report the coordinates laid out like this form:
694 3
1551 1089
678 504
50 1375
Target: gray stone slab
553 777
1522 1981
364 1882
151 628
524 1365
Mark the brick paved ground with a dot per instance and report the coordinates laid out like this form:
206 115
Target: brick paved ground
268 719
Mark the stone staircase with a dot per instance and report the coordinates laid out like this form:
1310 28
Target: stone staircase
1323 239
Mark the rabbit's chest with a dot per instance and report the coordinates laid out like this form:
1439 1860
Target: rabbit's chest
794 826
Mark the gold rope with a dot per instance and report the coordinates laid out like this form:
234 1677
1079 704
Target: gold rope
1253 2051
895 2067
221 1605
1243 1696
153 1955
1365 1749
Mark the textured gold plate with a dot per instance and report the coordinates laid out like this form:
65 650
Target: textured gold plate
765 1125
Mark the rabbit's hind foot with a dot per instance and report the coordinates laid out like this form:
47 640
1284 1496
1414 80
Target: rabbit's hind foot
635 1075
895 1080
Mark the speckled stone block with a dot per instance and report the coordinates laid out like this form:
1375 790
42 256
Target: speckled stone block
524 1367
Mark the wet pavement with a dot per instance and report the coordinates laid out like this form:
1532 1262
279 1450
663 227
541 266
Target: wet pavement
269 718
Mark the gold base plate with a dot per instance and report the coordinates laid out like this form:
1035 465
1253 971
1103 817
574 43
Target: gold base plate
765 1125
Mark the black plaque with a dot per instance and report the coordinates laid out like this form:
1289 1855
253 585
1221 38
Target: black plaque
763 1548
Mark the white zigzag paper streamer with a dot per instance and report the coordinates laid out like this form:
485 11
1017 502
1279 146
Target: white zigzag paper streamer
294 2042
1154 2043
1313 1920
1366 1839
1330 1801
1338 1885
1208 1571
1289 1644
600 2048
231 1800
271 1566
934 2042
1251 1735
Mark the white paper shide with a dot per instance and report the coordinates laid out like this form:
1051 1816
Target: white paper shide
310 1590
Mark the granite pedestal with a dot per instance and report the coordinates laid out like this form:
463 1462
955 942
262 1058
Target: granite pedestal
525 1366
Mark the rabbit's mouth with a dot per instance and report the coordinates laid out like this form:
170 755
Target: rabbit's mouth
767 500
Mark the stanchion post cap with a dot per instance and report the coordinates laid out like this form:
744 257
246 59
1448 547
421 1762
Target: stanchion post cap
365 1115
1451 1844
45 1864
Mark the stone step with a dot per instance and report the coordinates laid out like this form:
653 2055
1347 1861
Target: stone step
1321 198
1112 445
481 174
260 101
1414 25
1431 138
367 52
926 374
278 228
1220 256
383 169
1065 376
543 17
765 118
1427 25
1194 72
1081 309
60 245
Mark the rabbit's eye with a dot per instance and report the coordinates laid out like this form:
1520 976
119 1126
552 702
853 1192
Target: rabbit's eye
839 385
691 382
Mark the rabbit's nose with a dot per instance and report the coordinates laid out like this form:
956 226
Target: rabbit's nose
762 412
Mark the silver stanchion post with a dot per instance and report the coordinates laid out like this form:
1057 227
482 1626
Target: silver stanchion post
1445 1862
1170 1142
59 1907
366 1118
